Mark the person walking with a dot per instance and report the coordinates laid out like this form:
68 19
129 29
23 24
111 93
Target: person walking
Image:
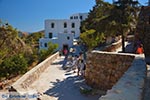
75 63
82 68
78 65
65 51
140 49
82 65
80 57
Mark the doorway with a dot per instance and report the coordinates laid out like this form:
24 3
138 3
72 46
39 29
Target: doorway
65 46
65 49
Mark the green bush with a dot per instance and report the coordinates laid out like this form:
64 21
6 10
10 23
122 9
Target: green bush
44 53
13 66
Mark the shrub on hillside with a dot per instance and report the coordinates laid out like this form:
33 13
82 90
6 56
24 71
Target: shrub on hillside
44 53
13 66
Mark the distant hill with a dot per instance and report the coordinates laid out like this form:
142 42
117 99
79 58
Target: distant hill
42 31
24 34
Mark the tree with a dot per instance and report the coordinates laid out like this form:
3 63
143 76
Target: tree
93 37
128 11
33 39
13 52
8 39
109 20
96 25
10 43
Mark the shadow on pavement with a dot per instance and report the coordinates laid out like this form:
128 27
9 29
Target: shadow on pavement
69 89
58 63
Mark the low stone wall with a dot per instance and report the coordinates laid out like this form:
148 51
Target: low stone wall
104 69
113 47
27 79
131 85
130 38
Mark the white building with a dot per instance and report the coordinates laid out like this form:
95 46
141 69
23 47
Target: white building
62 31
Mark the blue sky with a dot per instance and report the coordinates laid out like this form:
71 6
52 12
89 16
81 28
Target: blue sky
29 15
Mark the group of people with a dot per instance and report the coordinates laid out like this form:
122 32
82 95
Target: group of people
78 62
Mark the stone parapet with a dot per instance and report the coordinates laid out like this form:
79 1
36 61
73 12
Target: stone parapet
113 47
27 79
104 69
130 86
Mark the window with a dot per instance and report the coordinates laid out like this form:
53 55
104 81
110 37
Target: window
72 31
50 35
81 17
65 25
73 25
52 25
68 37
45 44
75 17
71 17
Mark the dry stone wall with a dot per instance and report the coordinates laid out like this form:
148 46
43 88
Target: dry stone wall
113 47
105 69
131 85
27 79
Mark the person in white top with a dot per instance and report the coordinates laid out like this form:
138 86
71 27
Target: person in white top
82 68
74 63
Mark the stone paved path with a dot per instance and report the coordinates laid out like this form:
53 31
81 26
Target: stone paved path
58 84
147 85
